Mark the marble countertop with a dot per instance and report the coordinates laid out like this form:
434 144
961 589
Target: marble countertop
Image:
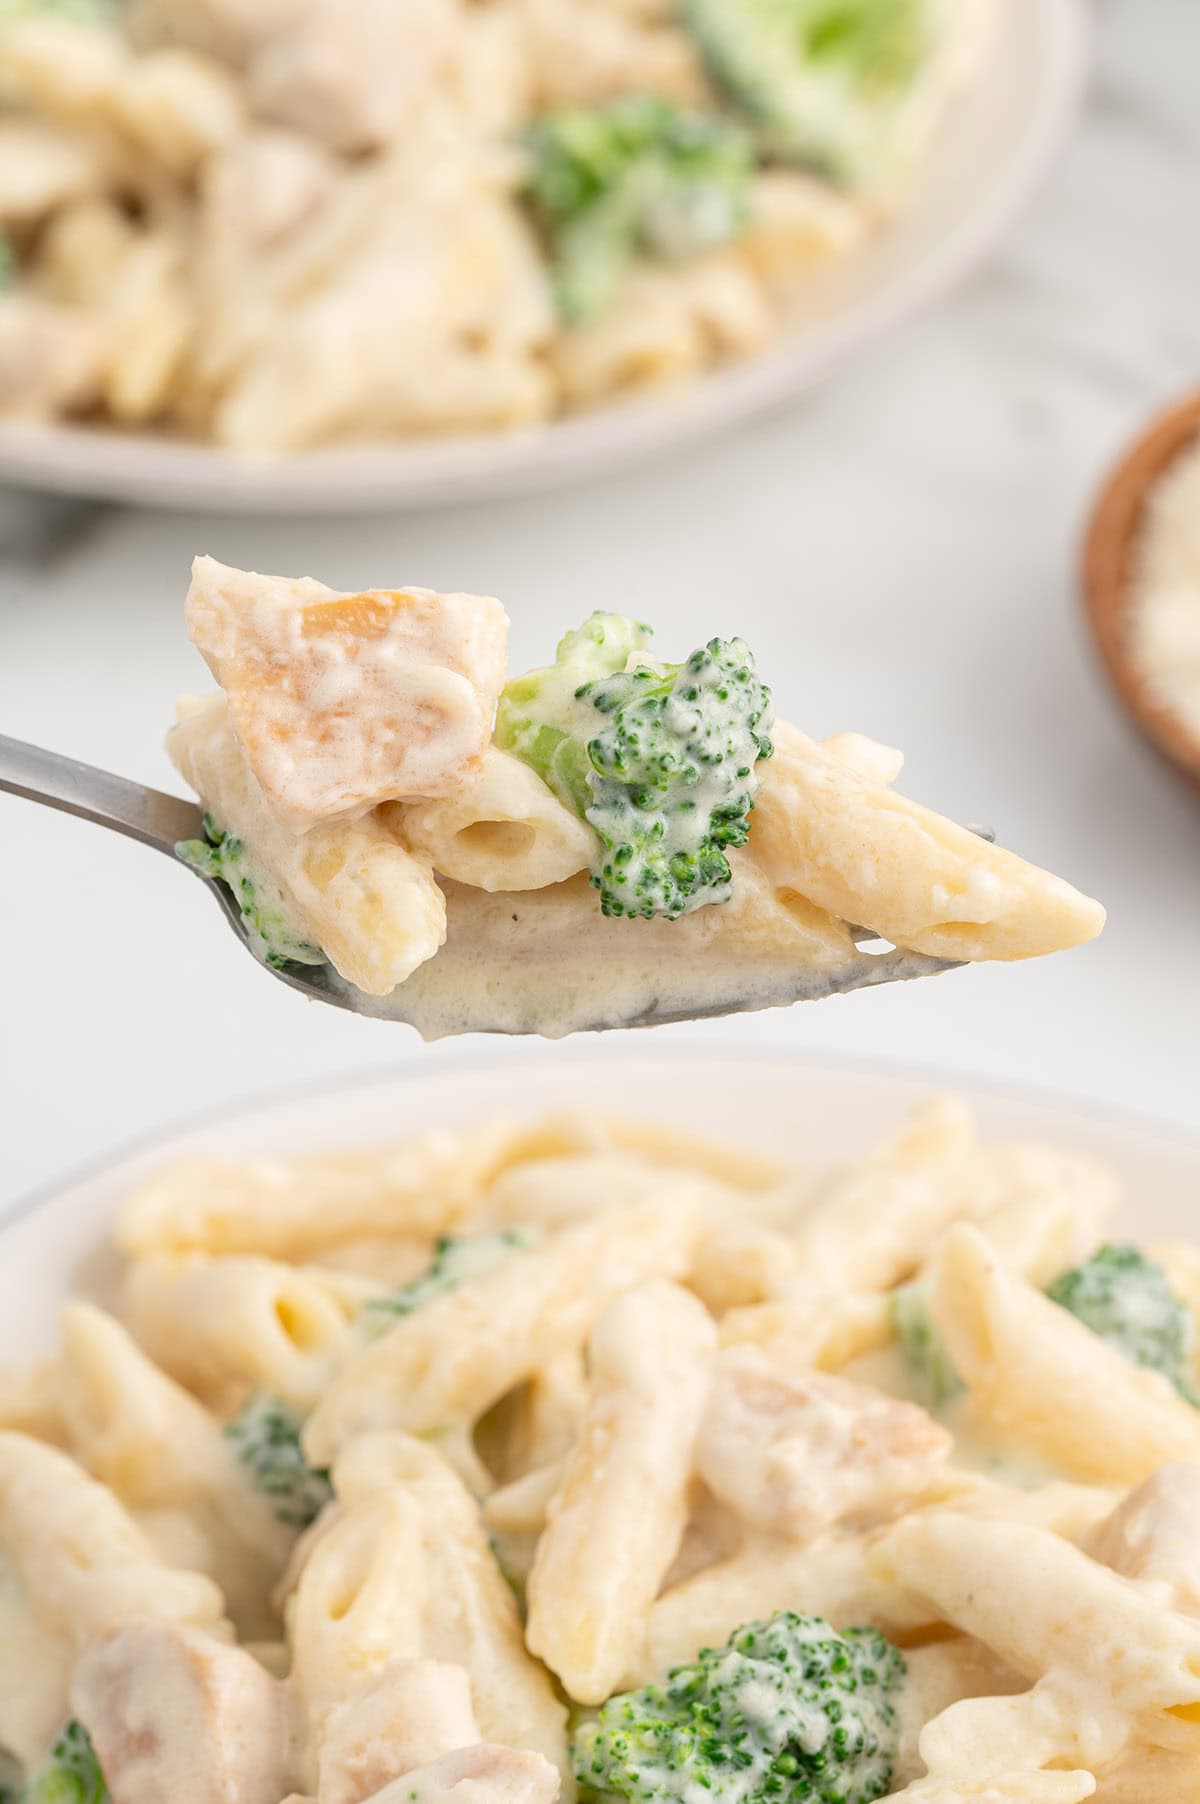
901 552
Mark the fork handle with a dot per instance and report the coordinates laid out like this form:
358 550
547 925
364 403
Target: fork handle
148 815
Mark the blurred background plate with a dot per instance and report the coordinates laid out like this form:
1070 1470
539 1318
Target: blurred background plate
991 155
809 1111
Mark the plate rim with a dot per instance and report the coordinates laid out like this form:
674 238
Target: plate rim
460 468
937 1078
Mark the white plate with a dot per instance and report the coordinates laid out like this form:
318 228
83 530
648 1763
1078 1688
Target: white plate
813 1112
991 157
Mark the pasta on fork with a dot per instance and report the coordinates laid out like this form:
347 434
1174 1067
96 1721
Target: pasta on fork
612 840
908 1507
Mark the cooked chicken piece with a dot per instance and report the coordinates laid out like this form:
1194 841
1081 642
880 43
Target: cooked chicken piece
173 1714
1153 1536
350 75
412 1712
478 1775
795 1451
343 701
51 358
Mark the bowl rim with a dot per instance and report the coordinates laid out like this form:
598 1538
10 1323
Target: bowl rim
1106 570
106 464
584 1051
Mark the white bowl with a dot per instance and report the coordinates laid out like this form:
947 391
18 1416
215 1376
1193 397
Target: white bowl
809 1111
991 157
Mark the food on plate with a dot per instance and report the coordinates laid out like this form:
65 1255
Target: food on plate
607 839
277 224
1164 591
578 1454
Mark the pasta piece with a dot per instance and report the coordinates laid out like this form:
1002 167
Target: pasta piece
1153 1536
35 1669
1042 1605
411 1713
229 1327
348 886
813 1327
468 1612
501 829
29 1402
1006 1788
879 1220
793 1452
358 1607
1042 1208
533 1427
339 701
831 1577
940 1675
451 1360
1047 1381
616 1519
1062 1722
158 1449
1150 1776
84 1565
218 1720
297 1209
522 1506
929 885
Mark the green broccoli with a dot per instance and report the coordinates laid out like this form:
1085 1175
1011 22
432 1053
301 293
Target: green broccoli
639 174
822 82
454 1263
8 269
659 759
266 1442
1125 1298
264 908
788 1711
70 1774
921 1346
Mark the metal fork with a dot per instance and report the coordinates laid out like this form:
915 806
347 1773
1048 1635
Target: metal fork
161 821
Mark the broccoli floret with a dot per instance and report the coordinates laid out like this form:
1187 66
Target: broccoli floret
659 759
70 1774
454 1263
8 277
921 1346
638 175
1125 1298
266 1442
823 82
263 906
788 1711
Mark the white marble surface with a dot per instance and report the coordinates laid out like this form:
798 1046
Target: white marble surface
900 551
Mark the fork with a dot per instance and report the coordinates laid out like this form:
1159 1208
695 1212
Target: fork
161 821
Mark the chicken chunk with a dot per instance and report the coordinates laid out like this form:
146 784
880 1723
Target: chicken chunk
350 75
411 1713
173 1714
478 1775
343 701
1153 1536
795 1451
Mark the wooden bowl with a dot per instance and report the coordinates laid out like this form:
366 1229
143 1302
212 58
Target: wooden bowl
1107 573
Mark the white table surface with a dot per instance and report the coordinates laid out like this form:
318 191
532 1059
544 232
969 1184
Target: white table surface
900 551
